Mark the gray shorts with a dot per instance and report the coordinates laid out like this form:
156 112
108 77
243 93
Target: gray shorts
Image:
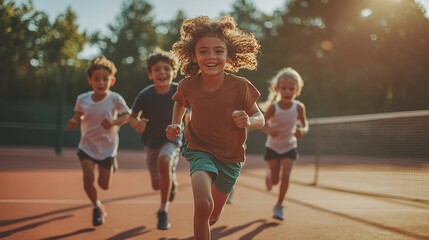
169 149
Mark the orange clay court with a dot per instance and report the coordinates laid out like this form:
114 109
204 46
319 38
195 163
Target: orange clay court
41 197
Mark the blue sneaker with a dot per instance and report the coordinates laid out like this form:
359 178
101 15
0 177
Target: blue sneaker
98 214
163 223
278 212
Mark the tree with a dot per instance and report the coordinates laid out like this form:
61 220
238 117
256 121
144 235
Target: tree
252 20
133 37
262 25
21 28
351 54
32 50
169 31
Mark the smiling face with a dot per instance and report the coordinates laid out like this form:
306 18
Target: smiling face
211 55
101 80
162 74
287 88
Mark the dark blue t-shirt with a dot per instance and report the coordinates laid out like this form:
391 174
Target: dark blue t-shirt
159 110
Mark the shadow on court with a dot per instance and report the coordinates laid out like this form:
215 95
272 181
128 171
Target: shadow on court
42 198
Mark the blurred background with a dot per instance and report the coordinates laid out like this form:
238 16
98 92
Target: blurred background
355 56
365 65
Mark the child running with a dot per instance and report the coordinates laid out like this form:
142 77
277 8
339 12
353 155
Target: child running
151 113
283 115
223 106
100 112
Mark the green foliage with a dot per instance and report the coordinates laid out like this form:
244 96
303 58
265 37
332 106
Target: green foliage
133 38
34 51
355 56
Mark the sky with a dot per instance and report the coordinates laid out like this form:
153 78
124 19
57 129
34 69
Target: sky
95 15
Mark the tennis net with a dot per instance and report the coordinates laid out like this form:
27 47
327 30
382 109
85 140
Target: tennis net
384 154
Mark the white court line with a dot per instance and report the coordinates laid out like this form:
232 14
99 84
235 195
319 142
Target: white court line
146 202
58 201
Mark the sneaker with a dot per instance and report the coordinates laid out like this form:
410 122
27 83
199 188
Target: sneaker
278 212
163 223
229 199
173 192
98 214
268 181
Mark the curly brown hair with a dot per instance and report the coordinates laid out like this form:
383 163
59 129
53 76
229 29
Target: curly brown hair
242 47
101 63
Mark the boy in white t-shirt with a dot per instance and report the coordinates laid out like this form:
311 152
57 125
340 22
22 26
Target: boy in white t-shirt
100 112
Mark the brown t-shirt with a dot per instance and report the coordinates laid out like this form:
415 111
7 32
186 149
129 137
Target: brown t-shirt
212 128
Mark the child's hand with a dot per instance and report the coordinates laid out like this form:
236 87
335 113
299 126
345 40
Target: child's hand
106 124
299 133
241 118
172 131
141 125
72 123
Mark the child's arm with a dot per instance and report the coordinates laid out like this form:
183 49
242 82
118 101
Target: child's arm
302 116
75 120
243 120
175 127
267 115
121 120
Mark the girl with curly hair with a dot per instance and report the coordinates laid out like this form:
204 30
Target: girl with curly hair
223 106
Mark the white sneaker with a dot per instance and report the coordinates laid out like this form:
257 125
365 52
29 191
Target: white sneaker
229 199
278 212
268 181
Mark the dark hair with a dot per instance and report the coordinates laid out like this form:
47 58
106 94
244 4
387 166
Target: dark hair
160 55
101 63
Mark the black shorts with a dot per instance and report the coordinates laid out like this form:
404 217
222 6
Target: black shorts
271 154
106 163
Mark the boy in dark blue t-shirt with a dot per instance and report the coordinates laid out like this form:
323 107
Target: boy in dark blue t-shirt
151 113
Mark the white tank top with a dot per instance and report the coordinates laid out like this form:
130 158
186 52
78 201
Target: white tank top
284 120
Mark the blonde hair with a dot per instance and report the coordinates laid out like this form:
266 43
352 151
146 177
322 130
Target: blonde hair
282 74
242 47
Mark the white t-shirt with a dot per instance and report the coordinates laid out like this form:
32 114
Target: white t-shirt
97 142
284 120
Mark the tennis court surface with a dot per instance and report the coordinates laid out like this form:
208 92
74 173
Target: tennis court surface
41 197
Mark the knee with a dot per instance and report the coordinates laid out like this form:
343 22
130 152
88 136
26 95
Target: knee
164 165
204 207
275 179
155 184
103 184
88 180
285 176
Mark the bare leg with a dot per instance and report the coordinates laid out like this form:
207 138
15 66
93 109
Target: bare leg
203 204
219 199
284 185
88 167
274 168
165 180
105 177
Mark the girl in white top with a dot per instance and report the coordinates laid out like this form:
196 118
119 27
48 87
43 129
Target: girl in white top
282 116
100 112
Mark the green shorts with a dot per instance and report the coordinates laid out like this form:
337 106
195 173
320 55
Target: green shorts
226 174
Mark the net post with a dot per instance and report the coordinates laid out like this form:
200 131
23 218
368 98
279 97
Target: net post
317 157
61 103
